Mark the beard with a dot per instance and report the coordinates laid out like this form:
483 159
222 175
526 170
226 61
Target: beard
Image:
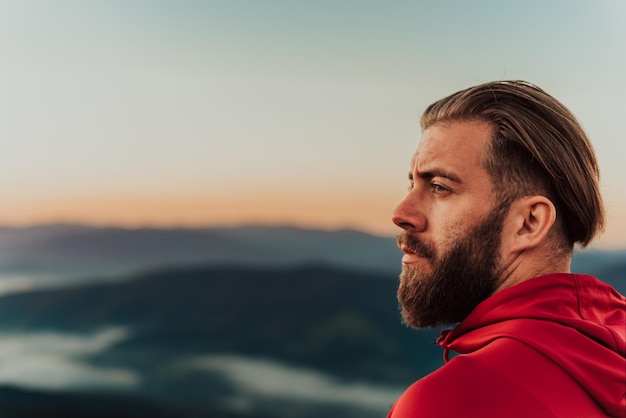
460 279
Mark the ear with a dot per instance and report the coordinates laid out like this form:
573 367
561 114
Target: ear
528 223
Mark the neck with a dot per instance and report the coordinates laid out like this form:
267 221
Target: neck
533 263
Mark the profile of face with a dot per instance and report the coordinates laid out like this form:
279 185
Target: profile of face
452 227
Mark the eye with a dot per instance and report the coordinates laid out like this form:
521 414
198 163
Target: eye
438 188
411 185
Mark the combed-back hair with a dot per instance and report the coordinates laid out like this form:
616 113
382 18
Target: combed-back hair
537 147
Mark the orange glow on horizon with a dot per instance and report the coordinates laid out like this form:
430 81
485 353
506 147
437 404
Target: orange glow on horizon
331 212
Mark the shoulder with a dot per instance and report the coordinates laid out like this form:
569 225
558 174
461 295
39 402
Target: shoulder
505 378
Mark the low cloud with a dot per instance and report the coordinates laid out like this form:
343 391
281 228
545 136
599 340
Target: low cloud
54 361
16 284
258 378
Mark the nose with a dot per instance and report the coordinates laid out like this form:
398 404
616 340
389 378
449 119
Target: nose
408 216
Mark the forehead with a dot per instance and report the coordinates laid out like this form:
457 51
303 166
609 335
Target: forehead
454 146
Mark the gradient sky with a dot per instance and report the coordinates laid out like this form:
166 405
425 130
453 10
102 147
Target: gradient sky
190 113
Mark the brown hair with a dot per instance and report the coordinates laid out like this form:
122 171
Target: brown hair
538 147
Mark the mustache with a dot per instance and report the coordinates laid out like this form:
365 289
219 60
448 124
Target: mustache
415 246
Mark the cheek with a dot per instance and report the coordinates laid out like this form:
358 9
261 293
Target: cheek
457 228
453 230
452 218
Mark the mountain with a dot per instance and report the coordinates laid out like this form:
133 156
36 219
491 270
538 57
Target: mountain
80 252
20 403
64 254
191 331
313 315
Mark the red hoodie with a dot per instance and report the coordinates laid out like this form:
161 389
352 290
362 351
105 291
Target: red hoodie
550 347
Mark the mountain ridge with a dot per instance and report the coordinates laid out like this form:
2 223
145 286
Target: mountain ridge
336 325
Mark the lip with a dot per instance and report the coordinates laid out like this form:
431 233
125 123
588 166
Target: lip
411 257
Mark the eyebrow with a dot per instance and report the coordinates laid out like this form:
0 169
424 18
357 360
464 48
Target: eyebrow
437 173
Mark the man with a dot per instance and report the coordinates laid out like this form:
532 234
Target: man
503 184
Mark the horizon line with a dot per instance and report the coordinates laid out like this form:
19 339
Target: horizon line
182 225
233 225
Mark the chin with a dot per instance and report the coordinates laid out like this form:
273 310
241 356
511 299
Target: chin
420 269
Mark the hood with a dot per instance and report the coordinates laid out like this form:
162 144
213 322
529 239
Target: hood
576 320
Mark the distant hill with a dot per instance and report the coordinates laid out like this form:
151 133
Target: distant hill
70 253
80 251
344 324
342 321
20 403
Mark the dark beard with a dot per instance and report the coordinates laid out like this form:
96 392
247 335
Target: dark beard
461 278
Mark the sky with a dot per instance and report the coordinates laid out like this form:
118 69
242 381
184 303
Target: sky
204 113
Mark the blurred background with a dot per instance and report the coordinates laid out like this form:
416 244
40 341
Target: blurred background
195 195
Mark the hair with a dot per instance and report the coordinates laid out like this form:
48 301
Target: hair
537 148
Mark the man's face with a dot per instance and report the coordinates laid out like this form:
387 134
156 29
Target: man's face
452 227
